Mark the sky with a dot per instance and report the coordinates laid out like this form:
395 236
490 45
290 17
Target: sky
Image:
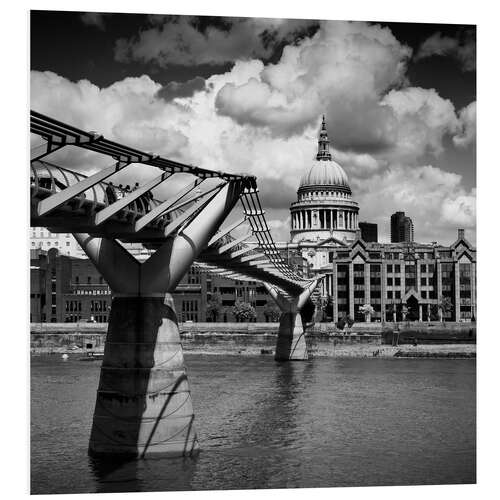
246 95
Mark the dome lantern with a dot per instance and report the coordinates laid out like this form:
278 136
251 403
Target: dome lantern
325 171
323 143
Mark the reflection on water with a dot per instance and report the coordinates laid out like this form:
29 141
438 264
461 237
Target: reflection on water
262 424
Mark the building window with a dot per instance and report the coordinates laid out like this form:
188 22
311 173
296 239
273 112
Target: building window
397 268
190 310
389 268
423 281
423 268
67 243
409 269
389 281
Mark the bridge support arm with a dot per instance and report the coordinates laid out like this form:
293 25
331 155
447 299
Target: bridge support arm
291 342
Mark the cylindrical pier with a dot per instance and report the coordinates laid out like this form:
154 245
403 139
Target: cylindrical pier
291 341
143 404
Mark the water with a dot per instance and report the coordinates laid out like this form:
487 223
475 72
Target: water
322 423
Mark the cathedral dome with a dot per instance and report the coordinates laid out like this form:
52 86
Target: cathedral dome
325 173
324 207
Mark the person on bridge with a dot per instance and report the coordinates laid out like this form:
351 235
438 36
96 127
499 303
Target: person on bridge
110 193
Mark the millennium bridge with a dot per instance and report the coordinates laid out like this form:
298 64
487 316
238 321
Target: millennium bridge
143 405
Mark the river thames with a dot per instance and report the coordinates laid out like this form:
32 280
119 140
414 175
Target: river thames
322 423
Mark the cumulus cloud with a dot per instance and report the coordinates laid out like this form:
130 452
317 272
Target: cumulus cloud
423 119
379 125
460 211
93 19
342 70
461 48
181 89
436 201
360 165
467 126
126 111
184 40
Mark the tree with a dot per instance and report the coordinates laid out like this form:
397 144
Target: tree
404 312
367 310
243 311
214 306
271 312
327 307
445 305
434 312
342 322
392 310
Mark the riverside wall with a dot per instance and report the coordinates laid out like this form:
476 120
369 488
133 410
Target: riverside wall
434 340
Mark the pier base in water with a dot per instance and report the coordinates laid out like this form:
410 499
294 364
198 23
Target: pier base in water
291 342
143 404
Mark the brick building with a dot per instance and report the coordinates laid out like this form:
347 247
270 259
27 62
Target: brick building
392 276
67 289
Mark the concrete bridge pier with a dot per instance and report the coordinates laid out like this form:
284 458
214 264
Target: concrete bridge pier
291 342
144 404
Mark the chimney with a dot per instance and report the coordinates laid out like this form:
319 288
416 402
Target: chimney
461 234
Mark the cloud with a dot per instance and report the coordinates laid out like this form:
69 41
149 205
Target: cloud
460 211
126 111
342 71
434 199
355 73
467 126
360 165
263 119
185 41
181 89
93 19
423 119
461 48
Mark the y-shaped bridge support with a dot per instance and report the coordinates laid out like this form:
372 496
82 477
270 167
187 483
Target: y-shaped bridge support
291 342
144 402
